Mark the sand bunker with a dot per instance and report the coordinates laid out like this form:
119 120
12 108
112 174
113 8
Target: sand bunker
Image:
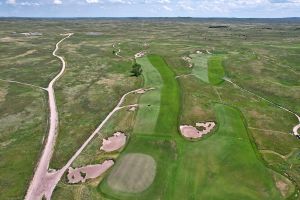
296 131
114 143
88 172
140 54
188 60
193 132
133 108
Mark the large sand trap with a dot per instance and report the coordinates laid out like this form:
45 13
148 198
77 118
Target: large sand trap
114 143
88 172
193 132
134 173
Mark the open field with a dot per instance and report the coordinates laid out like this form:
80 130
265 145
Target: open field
249 155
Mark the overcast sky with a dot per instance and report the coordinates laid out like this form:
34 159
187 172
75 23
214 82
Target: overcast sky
150 8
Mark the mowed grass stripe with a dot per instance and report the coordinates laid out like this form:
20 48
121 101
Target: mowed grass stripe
200 68
225 165
215 70
149 104
167 122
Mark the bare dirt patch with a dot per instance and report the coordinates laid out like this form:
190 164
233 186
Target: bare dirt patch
88 172
134 173
188 60
198 131
114 143
3 93
140 54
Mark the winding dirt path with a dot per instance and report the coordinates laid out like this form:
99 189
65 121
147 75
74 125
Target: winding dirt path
37 186
295 129
21 83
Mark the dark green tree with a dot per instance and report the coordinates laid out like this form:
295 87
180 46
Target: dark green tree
136 69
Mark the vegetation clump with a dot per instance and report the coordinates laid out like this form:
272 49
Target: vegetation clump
136 69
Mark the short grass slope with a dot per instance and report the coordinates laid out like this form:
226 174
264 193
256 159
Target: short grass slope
200 69
215 70
149 104
225 165
169 105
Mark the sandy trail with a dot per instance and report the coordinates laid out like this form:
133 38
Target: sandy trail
48 181
41 176
295 129
21 83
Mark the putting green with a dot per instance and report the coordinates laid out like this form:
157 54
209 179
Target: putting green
134 173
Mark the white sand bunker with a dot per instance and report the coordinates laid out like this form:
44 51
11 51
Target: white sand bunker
133 108
140 54
88 172
114 143
188 60
193 132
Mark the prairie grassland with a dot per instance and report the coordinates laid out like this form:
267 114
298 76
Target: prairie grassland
261 56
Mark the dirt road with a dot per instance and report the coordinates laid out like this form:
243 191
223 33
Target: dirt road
41 172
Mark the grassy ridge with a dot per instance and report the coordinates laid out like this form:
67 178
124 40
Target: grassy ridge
215 70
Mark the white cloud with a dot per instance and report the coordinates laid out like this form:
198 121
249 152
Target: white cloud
12 2
167 8
26 3
164 1
57 2
92 1
121 1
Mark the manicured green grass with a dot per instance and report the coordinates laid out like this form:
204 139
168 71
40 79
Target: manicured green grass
164 151
170 100
215 69
225 165
164 154
200 68
149 103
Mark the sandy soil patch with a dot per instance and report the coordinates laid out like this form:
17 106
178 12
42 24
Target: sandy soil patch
93 33
134 173
282 187
193 132
7 39
188 60
133 108
88 172
3 93
296 130
113 143
32 34
143 91
140 54
29 52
